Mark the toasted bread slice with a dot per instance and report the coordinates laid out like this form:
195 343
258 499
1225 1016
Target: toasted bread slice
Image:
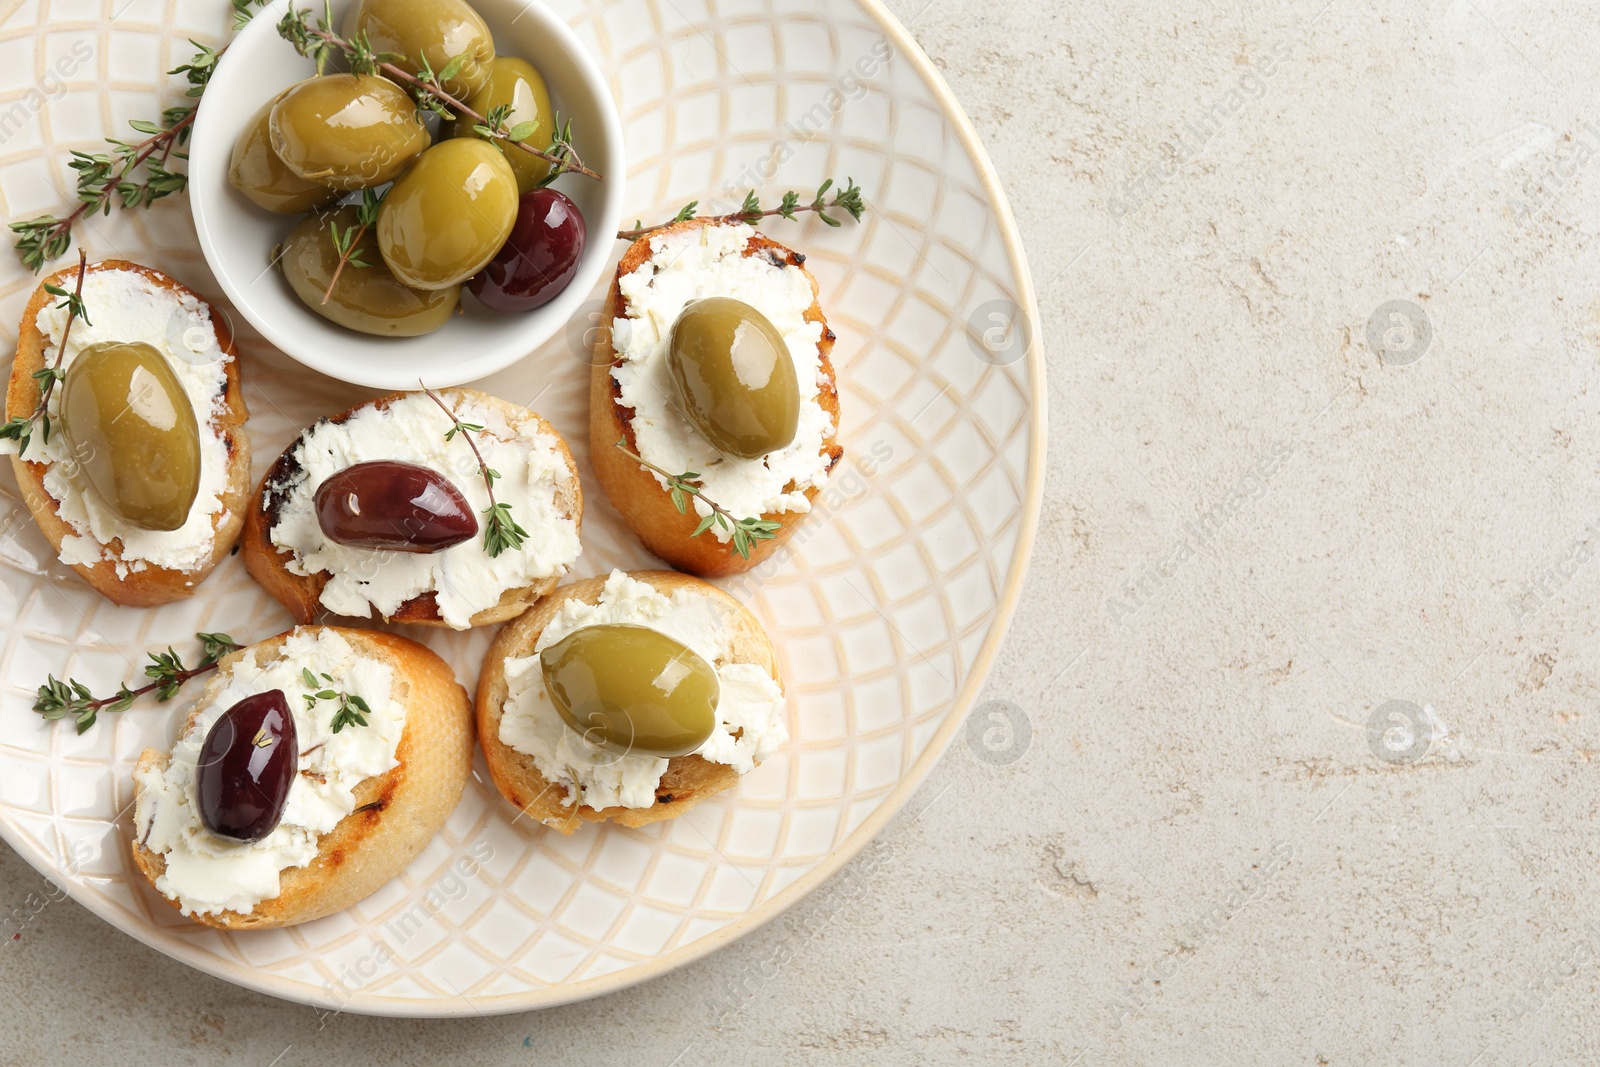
302 594
151 585
396 814
687 780
634 491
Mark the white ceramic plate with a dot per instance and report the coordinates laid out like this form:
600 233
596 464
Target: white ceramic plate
885 616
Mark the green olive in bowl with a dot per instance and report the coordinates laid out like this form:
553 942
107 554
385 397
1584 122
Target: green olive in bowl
256 171
347 131
367 298
435 30
449 214
514 83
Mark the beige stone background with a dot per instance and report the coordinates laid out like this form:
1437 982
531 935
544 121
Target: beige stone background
1318 282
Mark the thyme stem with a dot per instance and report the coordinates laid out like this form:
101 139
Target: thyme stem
20 429
344 257
847 199
682 486
295 29
57 699
500 530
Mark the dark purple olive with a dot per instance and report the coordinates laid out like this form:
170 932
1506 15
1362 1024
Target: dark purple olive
246 766
538 259
394 505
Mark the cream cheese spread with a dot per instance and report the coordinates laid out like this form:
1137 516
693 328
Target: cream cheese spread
126 306
465 578
690 265
750 724
207 874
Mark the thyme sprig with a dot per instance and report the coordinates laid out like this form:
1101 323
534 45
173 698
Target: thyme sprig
497 118
352 709
683 486
347 242
19 428
500 114
320 43
57 699
244 10
128 174
847 199
500 530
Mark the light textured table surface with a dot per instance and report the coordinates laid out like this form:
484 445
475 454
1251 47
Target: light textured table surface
1318 282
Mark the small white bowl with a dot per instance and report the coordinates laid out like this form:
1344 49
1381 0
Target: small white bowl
237 237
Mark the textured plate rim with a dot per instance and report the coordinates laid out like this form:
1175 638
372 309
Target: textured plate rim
569 992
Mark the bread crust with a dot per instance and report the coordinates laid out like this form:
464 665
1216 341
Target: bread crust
396 814
152 585
687 780
301 594
643 503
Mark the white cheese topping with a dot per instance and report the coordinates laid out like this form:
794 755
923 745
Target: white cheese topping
465 578
125 306
207 874
691 265
750 705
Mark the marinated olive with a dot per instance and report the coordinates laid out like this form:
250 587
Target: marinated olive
734 377
437 30
538 259
257 172
632 689
514 83
348 131
394 505
245 767
448 215
368 299
130 428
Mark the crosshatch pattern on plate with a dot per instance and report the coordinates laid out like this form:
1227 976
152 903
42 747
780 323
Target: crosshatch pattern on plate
879 612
